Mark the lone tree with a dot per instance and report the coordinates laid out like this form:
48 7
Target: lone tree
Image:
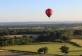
45 50
64 49
42 49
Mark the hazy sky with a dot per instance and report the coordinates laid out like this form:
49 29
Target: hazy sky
34 10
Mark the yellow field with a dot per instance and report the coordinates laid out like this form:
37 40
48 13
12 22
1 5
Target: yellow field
78 41
53 48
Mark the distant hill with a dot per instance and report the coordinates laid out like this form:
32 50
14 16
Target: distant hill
57 23
25 23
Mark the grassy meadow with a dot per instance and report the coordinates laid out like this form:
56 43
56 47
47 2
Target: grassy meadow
53 48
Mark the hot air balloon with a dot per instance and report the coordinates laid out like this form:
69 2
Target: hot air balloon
48 12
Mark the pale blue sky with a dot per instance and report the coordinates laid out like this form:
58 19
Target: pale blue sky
34 10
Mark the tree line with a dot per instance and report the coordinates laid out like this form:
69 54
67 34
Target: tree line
36 31
6 41
24 39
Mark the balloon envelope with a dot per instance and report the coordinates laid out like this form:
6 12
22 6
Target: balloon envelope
48 12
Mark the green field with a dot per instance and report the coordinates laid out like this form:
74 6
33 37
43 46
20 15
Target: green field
53 48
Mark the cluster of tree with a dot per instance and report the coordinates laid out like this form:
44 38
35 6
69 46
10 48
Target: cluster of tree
49 37
77 32
19 31
52 37
44 36
6 41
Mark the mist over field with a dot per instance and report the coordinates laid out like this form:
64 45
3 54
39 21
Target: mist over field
51 22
